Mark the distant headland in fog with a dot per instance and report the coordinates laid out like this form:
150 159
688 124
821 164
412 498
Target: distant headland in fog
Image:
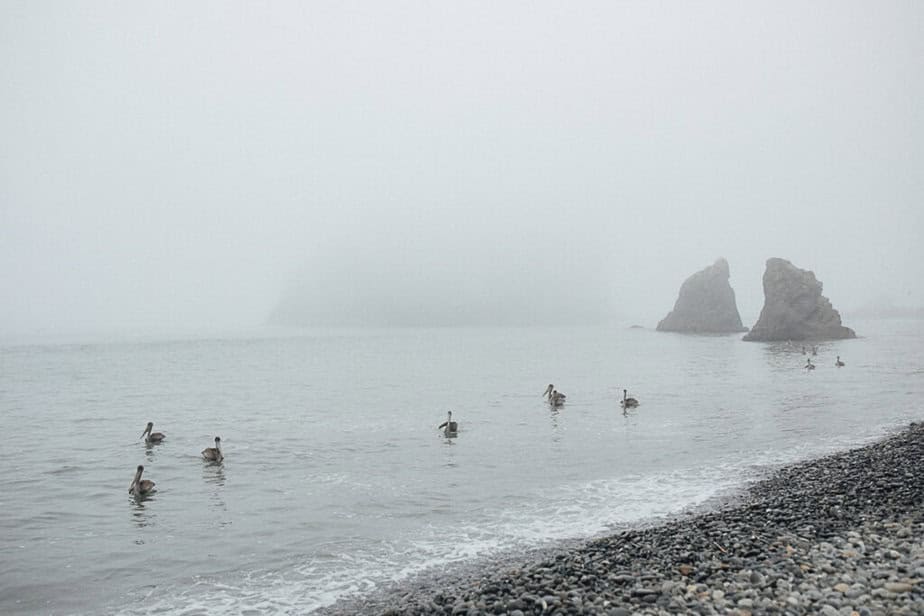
375 299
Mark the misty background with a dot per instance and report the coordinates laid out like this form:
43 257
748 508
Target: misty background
188 166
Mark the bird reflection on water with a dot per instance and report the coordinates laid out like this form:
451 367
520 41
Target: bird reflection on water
214 474
214 477
141 517
554 412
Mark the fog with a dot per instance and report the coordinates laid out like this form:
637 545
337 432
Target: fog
190 165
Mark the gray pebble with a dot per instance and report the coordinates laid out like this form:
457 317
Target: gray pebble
828 536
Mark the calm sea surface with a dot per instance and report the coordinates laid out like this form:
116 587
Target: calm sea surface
336 479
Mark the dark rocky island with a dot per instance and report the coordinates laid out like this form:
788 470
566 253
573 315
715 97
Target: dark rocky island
705 305
794 308
840 535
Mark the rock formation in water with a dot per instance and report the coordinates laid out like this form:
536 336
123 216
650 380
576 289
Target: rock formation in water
794 308
706 304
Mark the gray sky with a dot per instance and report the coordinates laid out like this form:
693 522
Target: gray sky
178 165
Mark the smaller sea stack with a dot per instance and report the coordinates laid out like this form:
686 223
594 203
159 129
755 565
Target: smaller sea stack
706 304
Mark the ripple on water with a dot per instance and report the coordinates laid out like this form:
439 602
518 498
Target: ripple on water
311 504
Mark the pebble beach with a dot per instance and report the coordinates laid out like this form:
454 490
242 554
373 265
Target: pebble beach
839 535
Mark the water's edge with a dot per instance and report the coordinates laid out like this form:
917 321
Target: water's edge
417 589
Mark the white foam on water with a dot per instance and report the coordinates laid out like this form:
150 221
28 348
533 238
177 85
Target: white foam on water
532 519
567 512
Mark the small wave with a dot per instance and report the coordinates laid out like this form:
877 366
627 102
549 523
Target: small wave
338 570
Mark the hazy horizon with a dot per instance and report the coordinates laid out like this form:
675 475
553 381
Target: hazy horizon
179 166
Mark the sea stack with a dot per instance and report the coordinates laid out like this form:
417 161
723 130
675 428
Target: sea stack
706 304
794 308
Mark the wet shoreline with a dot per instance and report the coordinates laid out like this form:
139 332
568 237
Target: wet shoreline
842 534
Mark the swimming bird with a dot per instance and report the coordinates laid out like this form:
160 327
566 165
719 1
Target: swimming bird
809 365
627 402
839 363
140 487
152 437
214 454
450 427
556 398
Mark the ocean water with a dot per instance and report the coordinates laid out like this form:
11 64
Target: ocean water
336 480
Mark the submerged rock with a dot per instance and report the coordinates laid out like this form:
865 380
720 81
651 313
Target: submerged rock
794 308
706 304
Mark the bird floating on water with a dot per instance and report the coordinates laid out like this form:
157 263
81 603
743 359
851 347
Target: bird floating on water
627 402
214 454
839 363
556 398
809 365
152 437
450 428
140 487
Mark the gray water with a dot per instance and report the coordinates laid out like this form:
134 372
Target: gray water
336 479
